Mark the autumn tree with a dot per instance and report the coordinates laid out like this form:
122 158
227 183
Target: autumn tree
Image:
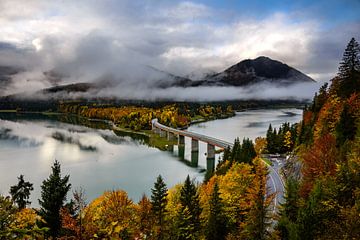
319 160
7 211
159 201
144 217
258 220
110 216
53 195
20 193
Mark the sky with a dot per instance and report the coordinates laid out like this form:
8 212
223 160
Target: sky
93 41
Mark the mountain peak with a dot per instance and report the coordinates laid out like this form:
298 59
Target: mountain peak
260 69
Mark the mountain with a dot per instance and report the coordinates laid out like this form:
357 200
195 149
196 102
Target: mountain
162 79
261 69
253 71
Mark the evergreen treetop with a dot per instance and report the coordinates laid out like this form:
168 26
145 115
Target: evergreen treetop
20 193
53 196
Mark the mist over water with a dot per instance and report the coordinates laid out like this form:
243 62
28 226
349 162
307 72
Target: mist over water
98 160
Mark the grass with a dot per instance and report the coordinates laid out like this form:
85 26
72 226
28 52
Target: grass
8 111
267 161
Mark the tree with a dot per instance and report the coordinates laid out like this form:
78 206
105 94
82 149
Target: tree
350 61
247 152
190 203
320 160
20 193
7 215
348 81
145 220
346 128
80 204
288 143
270 138
53 195
257 220
217 224
110 216
159 201
289 211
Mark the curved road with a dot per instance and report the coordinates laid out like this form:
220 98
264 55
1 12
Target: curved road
274 181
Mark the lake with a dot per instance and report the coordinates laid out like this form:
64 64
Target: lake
97 159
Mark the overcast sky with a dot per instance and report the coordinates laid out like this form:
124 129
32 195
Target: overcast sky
91 40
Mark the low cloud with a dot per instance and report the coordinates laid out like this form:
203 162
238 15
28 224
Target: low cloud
116 41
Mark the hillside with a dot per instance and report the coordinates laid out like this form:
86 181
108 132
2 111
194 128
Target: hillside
323 176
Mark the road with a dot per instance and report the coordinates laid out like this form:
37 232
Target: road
274 181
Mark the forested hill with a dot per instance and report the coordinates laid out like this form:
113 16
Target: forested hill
323 198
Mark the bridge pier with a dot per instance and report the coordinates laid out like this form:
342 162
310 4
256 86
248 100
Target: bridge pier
170 148
170 136
162 133
181 140
181 151
210 158
194 152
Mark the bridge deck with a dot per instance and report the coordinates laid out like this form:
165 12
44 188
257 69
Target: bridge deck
197 136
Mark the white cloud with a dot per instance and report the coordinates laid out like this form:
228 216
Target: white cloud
86 40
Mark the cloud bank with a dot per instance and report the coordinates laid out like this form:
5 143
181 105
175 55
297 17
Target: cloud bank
93 41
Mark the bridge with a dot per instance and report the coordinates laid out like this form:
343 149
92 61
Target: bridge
170 133
274 182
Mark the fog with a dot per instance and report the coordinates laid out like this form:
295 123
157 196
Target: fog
113 43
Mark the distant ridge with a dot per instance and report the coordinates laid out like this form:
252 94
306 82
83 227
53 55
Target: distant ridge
254 71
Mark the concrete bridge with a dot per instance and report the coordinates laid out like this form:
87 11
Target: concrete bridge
274 181
171 133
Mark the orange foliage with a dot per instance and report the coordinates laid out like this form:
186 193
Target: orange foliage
329 116
307 117
318 161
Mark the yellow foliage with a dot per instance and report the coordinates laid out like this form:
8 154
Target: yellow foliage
25 219
108 215
234 190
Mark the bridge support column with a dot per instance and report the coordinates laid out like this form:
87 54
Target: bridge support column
170 136
170 148
181 140
181 149
162 133
194 152
210 158
194 145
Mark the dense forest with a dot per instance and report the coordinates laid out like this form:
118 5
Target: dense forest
139 118
322 199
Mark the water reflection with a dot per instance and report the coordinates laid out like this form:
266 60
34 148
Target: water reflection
96 159
99 159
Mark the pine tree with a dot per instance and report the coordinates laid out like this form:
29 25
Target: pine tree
270 138
346 128
189 200
217 223
159 201
20 193
236 150
247 152
348 81
289 211
53 195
